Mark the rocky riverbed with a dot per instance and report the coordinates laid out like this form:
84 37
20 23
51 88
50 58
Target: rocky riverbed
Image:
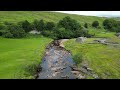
57 63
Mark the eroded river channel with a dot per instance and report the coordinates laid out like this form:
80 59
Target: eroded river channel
56 63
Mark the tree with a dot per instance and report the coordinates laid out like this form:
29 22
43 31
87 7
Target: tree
16 31
95 24
49 25
86 25
108 23
25 25
36 24
111 25
41 26
69 24
7 35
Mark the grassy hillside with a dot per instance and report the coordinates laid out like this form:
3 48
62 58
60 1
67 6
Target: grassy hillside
15 16
19 57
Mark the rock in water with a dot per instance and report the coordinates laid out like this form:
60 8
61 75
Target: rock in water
80 39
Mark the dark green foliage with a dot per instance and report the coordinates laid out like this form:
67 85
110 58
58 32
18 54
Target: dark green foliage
8 35
69 28
2 27
69 24
49 25
16 31
35 24
38 25
86 25
62 33
108 23
65 28
111 25
95 24
25 25
41 26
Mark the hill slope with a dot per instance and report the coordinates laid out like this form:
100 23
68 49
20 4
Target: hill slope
15 16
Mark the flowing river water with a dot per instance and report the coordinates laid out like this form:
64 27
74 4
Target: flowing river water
56 63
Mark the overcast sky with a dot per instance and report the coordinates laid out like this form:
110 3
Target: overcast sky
94 13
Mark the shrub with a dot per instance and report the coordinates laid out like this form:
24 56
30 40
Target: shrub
17 31
49 25
69 24
95 24
78 58
35 24
111 25
86 25
2 27
7 35
41 26
25 25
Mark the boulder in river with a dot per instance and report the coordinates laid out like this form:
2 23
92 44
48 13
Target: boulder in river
80 39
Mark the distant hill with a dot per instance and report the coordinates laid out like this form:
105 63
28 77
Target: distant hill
16 16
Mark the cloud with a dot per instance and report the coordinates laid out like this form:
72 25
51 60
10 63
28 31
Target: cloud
94 13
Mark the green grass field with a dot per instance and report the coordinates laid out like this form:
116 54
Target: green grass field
16 16
104 60
19 57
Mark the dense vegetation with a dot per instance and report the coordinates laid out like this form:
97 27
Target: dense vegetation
65 28
62 27
112 25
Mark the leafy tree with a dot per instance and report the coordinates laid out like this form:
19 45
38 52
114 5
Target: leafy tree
86 25
49 25
95 24
41 26
25 25
17 31
111 25
69 24
7 35
36 24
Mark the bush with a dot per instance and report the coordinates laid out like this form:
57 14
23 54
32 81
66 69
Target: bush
78 58
17 31
41 26
25 25
49 25
2 27
61 33
35 24
86 25
95 24
111 25
69 24
7 35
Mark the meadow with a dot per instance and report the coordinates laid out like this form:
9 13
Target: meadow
103 59
19 58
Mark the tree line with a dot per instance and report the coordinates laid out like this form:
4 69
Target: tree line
65 28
